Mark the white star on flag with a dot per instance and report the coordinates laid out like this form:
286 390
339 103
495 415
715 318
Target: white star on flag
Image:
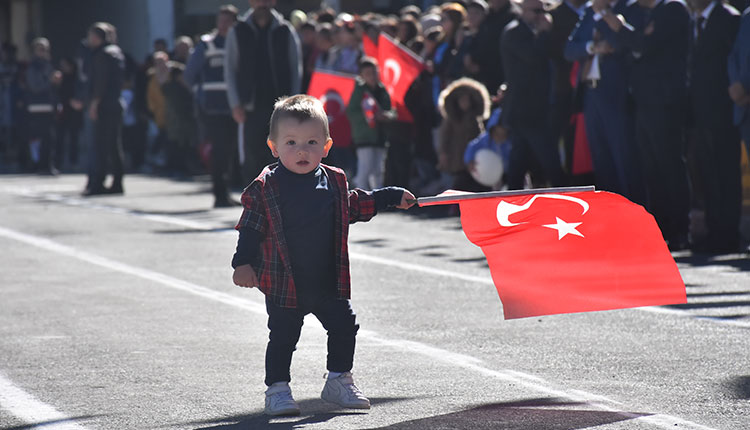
564 228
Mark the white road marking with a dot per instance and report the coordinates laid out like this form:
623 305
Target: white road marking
44 193
458 360
31 410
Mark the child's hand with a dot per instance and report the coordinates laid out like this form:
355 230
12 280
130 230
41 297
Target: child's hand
244 276
407 200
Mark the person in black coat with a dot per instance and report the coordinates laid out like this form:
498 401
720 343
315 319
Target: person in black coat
656 33
525 49
107 74
485 50
718 150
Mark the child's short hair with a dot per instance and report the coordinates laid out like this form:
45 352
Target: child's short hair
300 107
366 62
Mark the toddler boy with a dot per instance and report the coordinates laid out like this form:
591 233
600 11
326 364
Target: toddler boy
293 247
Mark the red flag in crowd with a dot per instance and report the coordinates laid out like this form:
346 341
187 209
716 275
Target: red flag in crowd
334 90
369 46
554 252
582 162
398 69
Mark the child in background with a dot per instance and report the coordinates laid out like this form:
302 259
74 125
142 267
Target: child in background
293 247
464 105
347 52
368 110
494 139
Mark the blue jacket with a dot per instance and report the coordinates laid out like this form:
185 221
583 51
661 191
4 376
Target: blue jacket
204 73
613 68
484 141
739 65
40 96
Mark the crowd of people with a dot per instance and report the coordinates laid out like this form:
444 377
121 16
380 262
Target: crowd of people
513 94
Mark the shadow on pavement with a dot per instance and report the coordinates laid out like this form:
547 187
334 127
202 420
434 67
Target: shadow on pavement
738 261
530 414
52 423
740 387
313 411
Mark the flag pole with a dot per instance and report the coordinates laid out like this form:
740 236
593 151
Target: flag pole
460 195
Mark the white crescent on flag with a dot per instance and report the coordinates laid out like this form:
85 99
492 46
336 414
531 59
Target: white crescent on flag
331 97
395 72
505 210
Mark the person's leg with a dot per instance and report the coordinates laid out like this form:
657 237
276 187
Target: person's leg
676 178
285 325
547 154
378 168
599 145
114 149
220 131
519 156
98 162
339 320
364 156
723 193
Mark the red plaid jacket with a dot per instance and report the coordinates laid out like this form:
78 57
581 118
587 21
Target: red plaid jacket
262 213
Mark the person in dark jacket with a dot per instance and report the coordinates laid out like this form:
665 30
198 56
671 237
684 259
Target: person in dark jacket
262 62
739 78
107 74
603 81
718 147
657 34
205 74
486 47
529 74
41 79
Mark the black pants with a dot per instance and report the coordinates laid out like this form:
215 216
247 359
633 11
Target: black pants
285 324
400 154
534 145
68 132
661 146
221 131
718 153
107 149
40 127
257 154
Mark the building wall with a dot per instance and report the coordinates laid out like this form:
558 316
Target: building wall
138 22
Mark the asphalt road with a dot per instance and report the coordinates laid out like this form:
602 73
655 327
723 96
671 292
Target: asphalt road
118 312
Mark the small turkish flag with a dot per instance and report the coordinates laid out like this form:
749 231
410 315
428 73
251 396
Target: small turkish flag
369 46
398 70
334 90
554 253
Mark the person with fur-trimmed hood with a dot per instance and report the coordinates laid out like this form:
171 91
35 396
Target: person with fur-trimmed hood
464 105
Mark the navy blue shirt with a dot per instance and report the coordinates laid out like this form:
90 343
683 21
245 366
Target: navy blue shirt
307 205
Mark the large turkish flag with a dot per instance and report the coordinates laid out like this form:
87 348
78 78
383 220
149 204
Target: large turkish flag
399 67
571 252
334 90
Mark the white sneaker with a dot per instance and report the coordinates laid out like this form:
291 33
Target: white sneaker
342 391
279 400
